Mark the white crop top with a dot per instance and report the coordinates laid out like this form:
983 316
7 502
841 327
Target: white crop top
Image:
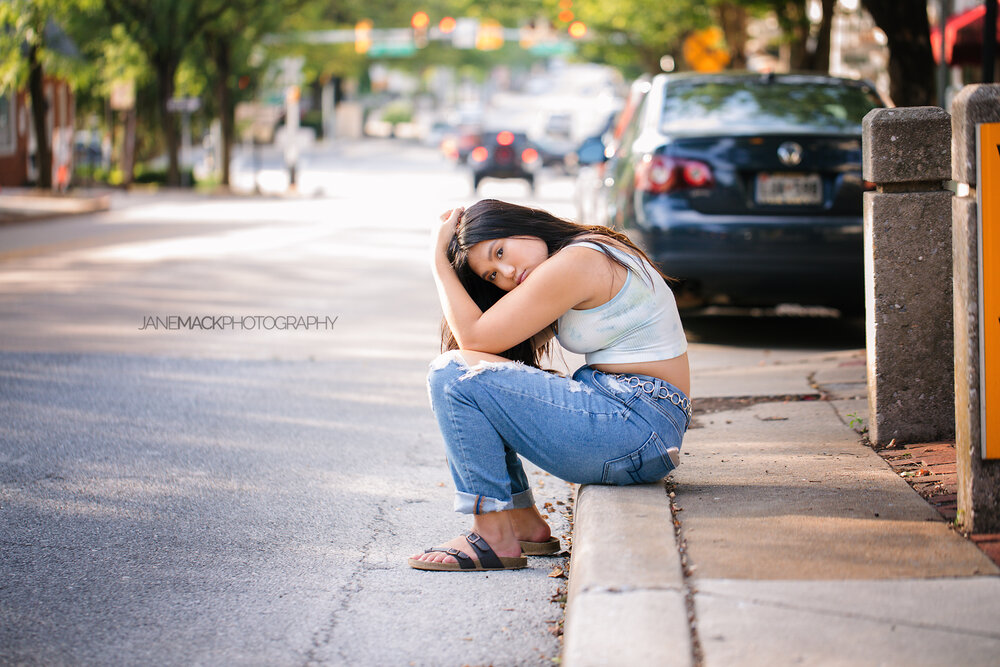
640 323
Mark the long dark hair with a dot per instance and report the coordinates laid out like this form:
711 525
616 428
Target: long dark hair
490 219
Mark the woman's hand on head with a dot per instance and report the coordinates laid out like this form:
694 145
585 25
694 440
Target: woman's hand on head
446 232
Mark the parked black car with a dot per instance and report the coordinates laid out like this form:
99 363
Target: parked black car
748 187
504 154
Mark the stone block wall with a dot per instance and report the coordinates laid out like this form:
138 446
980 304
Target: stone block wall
908 274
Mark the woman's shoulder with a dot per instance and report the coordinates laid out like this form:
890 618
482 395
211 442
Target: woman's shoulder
597 242
584 250
606 246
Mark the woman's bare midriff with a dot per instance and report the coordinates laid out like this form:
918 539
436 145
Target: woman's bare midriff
676 371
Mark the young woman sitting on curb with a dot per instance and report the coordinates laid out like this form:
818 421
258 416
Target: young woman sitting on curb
509 277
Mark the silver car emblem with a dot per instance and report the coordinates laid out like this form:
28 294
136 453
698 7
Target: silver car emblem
790 153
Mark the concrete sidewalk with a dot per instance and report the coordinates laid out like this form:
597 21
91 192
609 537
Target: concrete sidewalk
29 204
781 539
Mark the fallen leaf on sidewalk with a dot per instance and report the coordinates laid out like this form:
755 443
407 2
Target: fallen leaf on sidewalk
922 472
773 419
557 572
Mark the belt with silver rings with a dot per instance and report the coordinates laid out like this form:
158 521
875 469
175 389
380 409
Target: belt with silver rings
649 387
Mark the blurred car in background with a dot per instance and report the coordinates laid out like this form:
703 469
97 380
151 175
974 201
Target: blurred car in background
555 141
504 154
464 134
589 193
747 187
438 131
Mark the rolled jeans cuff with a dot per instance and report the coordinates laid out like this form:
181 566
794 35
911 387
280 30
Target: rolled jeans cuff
524 499
470 503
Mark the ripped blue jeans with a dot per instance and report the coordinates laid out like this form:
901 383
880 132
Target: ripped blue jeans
591 429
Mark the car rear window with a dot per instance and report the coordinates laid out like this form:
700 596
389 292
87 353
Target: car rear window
757 105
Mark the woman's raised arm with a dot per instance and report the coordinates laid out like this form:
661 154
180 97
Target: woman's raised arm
559 283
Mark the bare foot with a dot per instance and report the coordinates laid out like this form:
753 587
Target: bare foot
529 525
496 528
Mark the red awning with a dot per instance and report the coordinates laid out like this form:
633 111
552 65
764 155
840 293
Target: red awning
963 37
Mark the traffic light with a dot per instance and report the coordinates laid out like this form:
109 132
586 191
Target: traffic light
577 29
420 21
447 25
490 36
362 36
565 10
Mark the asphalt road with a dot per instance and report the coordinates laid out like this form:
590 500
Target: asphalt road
178 496
248 496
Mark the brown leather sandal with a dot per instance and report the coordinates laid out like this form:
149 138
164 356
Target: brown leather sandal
549 547
487 558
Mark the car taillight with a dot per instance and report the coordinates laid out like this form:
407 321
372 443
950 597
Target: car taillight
657 174
529 155
505 138
697 174
479 153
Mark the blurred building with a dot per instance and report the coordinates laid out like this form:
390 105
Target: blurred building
858 48
957 41
18 162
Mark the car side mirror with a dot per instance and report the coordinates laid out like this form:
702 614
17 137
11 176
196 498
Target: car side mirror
591 151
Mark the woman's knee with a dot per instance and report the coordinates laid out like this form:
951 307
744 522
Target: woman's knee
455 368
444 370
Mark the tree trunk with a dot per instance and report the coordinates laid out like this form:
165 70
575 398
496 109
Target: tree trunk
911 63
165 72
795 24
650 59
128 148
39 114
819 59
224 97
733 19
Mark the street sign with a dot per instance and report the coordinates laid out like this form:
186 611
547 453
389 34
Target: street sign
183 104
123 95
392 49
705 50
552 48
988 150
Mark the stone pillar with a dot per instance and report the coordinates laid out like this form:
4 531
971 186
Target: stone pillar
908 264
978 480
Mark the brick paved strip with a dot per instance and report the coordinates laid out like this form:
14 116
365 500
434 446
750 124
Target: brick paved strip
990 544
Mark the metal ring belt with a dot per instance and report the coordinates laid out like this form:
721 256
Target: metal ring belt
649 387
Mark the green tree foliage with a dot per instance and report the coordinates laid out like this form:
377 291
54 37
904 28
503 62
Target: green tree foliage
32 42
164 30
229 42
635 34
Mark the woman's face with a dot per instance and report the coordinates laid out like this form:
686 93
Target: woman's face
507 262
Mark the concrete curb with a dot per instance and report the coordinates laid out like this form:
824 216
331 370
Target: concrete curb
627 602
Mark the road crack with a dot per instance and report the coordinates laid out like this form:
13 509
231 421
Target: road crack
687 569
377 528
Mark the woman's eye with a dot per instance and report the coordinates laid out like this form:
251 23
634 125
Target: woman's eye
499 253
493 276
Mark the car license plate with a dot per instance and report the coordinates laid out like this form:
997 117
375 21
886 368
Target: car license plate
789 189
